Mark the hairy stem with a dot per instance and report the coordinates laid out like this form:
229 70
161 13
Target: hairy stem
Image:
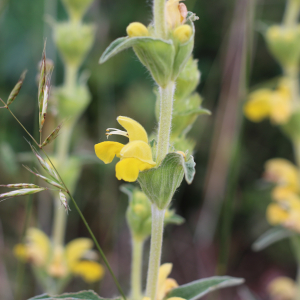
165 120
136 268
159 15
291 13
155 251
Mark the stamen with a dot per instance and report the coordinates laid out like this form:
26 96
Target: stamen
111 131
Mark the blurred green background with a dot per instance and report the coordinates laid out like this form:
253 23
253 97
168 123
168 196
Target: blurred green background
123 87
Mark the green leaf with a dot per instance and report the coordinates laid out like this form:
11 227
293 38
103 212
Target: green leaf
160 184
82 295
199 288
270 237
124 43
188 168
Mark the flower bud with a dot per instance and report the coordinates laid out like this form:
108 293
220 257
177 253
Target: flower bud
183 33
73 41
137 29
77 8
284 44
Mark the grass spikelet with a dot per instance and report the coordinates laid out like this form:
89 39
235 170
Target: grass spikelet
52 136
14 93
64 201
22 192
20 185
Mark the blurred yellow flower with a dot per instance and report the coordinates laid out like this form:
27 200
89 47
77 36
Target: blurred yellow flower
282 288
283 173
273 104
136 156
59 261
165 284
285 213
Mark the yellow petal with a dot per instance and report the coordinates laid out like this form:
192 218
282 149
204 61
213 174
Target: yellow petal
128 169
106 151
281 107
90 271
282 288
258 106
164 272
136 131
170 284
20 251
38 246
176 298
76 249
283 173
139 150
175 13
276 215
281 193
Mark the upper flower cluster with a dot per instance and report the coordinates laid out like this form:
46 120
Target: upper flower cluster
135 156
164 56
176 14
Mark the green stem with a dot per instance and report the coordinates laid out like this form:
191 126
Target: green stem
136 268
291 13
159 15
70 76
165 120
155 251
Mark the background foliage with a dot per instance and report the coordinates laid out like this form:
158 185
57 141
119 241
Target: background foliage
121 87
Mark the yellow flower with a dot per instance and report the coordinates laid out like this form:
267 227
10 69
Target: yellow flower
282 288
165 284
266 103
90 271
59 261
283 173
136 156
285 213
175 13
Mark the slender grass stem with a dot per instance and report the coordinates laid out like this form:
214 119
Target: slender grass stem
76 206
155 251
